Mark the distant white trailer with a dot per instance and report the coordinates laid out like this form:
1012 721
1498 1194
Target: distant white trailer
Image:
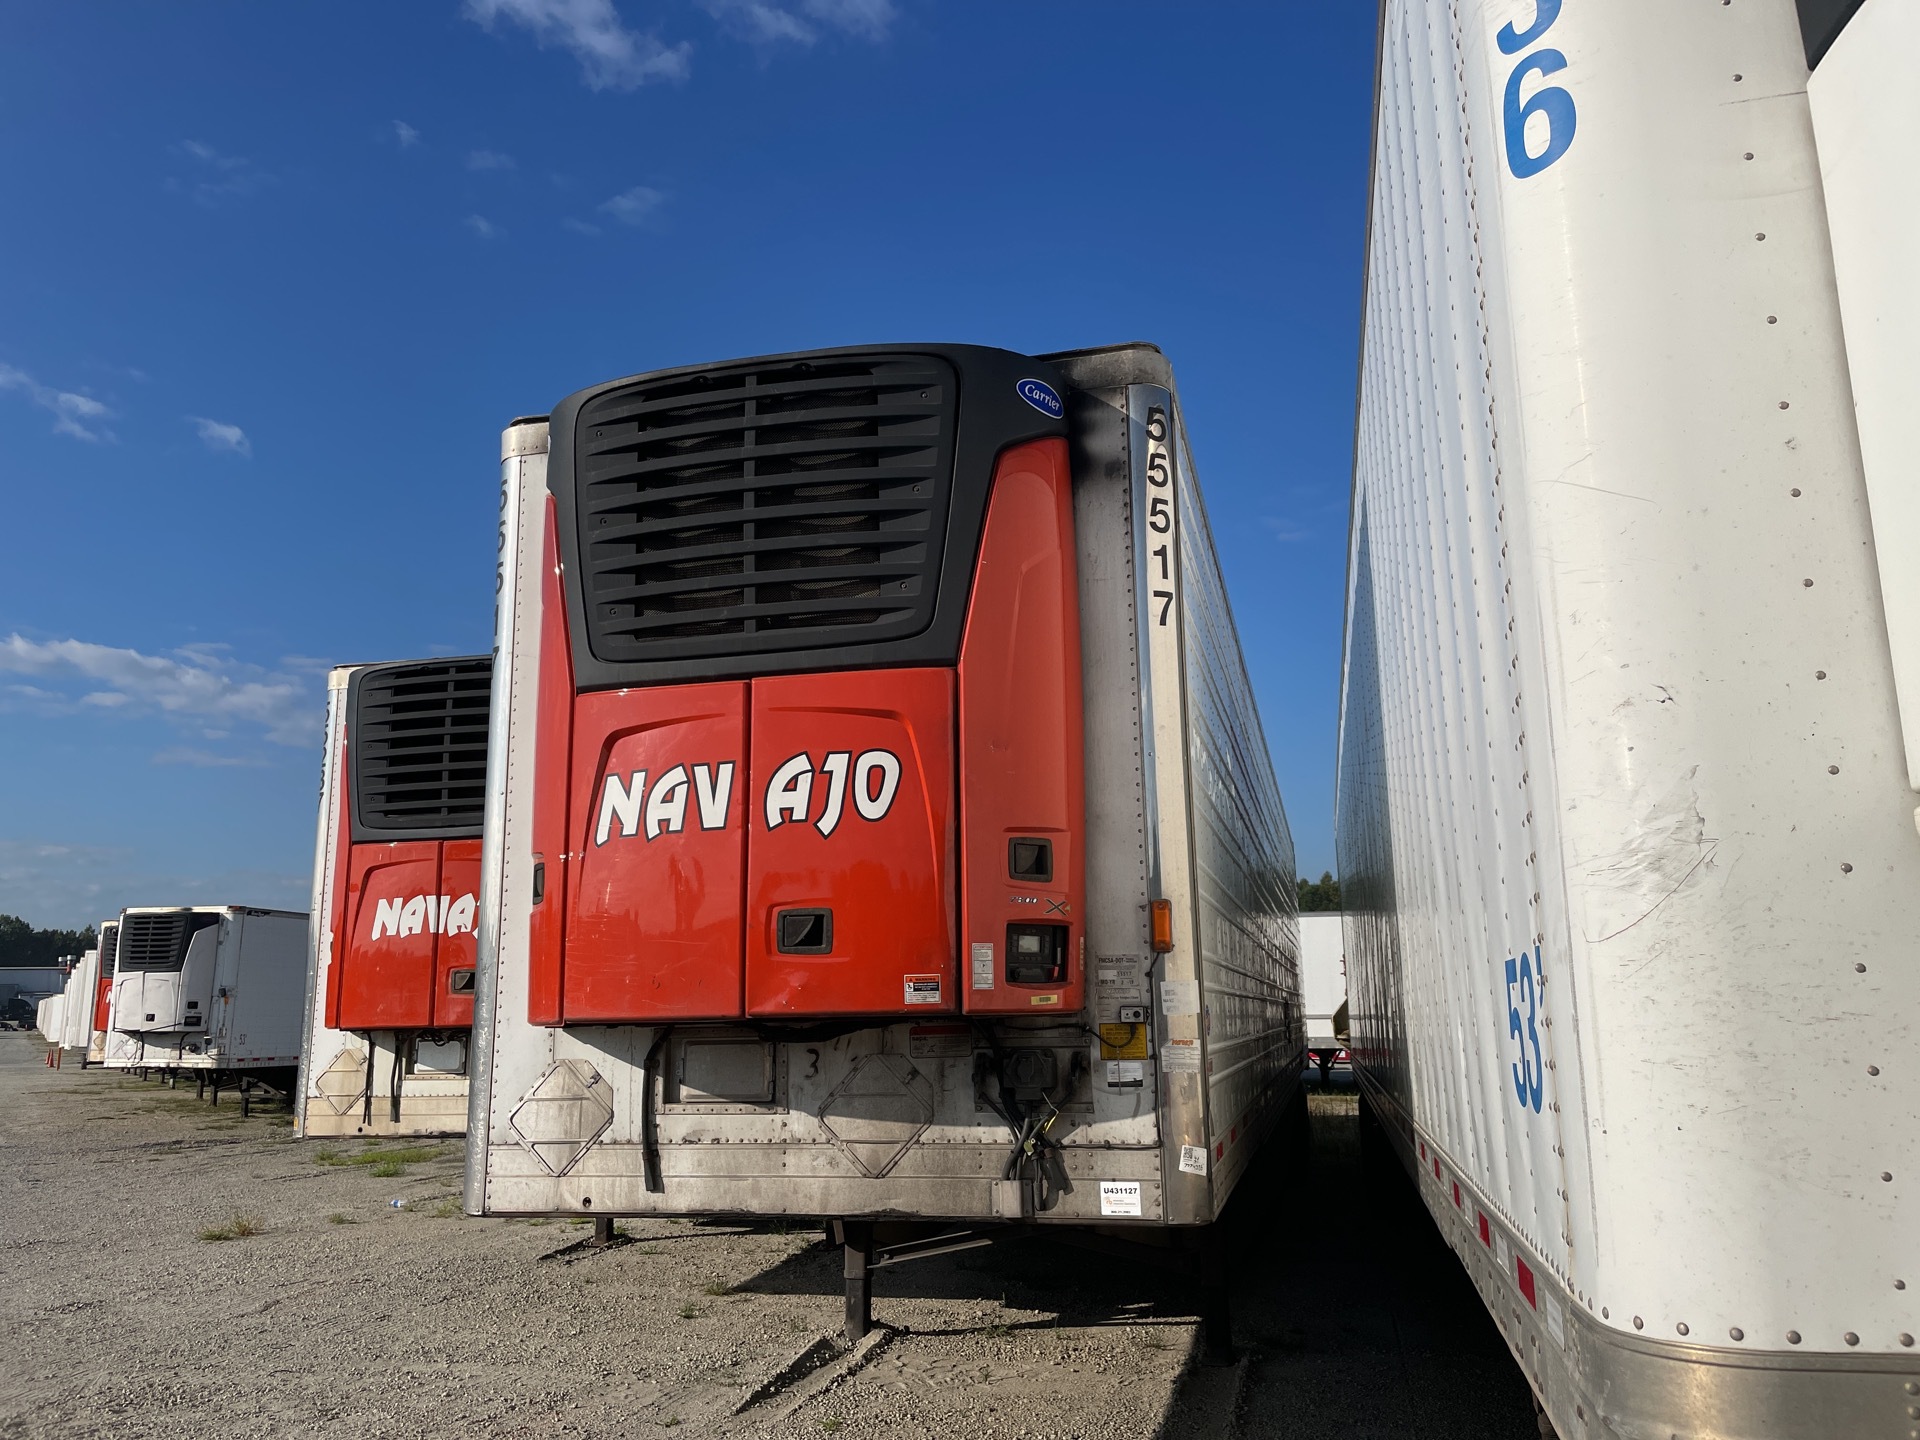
50 1015
208 987
1323 985
1630 718
77 1014
101 1004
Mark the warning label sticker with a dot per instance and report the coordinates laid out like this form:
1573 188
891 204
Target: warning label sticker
982 956
1126 1073
923 989
1181 1057
939 1042
1120 1197
1123 1042
1193 1159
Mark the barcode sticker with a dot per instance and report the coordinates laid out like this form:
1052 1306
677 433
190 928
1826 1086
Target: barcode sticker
1120 1197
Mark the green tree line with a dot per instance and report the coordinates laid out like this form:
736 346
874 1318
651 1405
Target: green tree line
21 944
1318 895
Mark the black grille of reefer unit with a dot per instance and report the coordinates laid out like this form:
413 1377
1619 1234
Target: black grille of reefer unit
109 935
418 747
159 941
757 508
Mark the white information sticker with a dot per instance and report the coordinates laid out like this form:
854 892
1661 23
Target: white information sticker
983 966
1179 997
923 989
1120 1197
1556 1320
1180 1057
1126 1072
1193 1159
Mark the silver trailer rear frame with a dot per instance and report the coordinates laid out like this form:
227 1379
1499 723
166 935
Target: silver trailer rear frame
1162 1115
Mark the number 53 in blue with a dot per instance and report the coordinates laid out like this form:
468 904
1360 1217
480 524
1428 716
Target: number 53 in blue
1529 1073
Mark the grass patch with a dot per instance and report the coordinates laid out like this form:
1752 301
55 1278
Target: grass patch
832 1423
238 1228
447 1210
650 1250
338 1219
690 1311
716 1288
384 1164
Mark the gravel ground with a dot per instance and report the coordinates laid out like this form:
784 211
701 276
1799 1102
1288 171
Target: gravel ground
342 1315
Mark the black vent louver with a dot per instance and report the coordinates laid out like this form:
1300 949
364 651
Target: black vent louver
783 506
418 748
159 941
109 936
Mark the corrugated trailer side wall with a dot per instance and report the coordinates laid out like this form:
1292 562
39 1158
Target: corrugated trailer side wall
1442 824
1617 686
1243 867
323 1048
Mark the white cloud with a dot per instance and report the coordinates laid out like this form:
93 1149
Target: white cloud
611 56
196 686
75 415
215 177
581 227
52 884
218 436
489 160
482 226
205 759
405 134
635 206
765 22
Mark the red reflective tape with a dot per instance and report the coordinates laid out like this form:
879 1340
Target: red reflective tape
1436 1167
1423 1149
1486 1235
1524 1276
1233 1134
1220 1150
1456 1194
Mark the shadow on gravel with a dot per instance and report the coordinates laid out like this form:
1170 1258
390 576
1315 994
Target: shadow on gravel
1027 1272
1353 1317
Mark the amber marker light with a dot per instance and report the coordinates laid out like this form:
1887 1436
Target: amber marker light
1160 915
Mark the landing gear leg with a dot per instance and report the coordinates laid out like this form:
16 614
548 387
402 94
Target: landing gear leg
603 1230
857 1247
1216 1300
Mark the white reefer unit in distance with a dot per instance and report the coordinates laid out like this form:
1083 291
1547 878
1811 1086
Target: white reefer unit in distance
1625 811
76 1024
100 1005
396 879
208 987
961 887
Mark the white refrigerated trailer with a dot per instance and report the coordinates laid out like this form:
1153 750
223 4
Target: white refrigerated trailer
100 1007
396 873
76 1022
807 988
1630 723
213 989
1323 986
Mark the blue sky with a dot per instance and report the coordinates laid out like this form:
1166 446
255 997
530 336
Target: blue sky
273 277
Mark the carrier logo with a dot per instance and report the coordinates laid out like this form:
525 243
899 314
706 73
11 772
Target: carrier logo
434 914
869 781
1042 396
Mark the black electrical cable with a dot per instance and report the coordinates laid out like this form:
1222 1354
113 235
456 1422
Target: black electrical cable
649 1122
366 1112
399 1069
